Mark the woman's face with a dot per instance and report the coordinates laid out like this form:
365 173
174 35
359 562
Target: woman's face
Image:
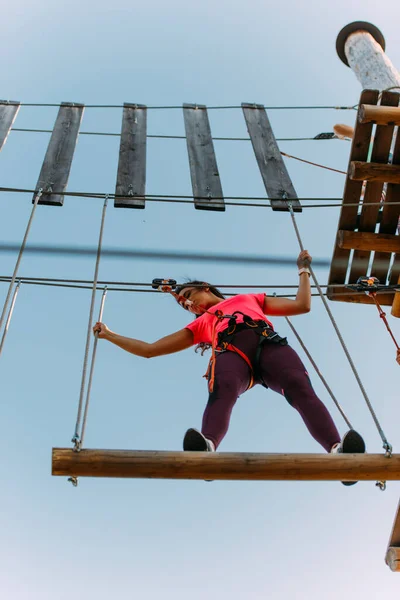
200 297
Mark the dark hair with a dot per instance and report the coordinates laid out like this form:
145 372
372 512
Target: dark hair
203 346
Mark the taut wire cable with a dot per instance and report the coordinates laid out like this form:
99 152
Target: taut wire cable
386 444
92 363
20 254
318 372
76 438
10 314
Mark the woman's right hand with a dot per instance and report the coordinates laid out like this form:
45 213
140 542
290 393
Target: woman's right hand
101 329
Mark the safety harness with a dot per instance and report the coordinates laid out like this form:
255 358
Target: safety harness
223 342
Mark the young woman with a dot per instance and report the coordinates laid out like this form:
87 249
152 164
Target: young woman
246 351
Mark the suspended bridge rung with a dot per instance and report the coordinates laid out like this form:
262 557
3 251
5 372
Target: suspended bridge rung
224 466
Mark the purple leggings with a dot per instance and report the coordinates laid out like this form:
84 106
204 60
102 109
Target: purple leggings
281 370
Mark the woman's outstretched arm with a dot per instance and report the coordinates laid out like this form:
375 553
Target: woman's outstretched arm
284 307
180 340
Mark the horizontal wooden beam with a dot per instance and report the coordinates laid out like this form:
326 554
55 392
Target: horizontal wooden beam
368 171
226 466
393 558
381 115
343 294
360 240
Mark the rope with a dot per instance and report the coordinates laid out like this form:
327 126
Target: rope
308 162
21 251
76 439
322 378
386 444
89 388
10 314
382 315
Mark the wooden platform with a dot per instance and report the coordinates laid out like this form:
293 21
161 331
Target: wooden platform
367 242
224 465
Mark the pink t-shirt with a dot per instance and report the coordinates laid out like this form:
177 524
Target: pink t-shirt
249 304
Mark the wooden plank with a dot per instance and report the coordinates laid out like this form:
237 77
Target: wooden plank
341 294
224 465
131 176
57 162
273 170
206 183
8 114
393 558
394 541
373 191
352 193
360 171
360 240
379 115
388 222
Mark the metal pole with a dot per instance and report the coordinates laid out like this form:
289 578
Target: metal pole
361 46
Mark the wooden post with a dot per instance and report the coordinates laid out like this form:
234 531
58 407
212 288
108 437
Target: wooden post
361 46
380 115
396 302
8 114
393 551
226 466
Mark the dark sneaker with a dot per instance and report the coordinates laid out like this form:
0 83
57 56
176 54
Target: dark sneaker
352 443
195 441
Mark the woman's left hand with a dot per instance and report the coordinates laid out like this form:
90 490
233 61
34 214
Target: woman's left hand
304 259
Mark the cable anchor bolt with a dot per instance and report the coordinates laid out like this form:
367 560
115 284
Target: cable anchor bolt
73 480
388 450
381 485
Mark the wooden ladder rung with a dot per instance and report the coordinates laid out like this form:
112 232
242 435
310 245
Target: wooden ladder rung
364 240
369 171
380 115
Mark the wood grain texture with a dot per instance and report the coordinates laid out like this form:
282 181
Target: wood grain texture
273 170
360 240
396 303
380 115
8 114
57 162
131 176
226 466
206 183
368 217
371 171
393 559
352 194
341 294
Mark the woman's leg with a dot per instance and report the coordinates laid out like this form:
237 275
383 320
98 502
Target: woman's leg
283 371
232 377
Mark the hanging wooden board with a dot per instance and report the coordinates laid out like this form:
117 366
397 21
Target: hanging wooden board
131 176
206 183
273 170
54 175
8 114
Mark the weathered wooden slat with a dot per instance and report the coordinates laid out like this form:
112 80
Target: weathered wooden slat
360 240
341 294
379 115
392 557
8 114
389 220
131 176
206 183
60 151
374 172
373 192
352 193
225 465
273 170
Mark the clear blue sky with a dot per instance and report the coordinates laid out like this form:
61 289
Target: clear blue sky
130 539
